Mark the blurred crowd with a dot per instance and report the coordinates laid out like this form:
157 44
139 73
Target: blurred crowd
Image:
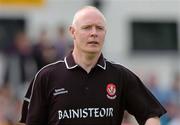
20 62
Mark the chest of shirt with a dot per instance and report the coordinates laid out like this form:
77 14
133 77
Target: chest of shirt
75 88
90 96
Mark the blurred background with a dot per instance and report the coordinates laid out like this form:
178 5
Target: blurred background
143 35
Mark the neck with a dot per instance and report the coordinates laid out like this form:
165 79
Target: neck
86 60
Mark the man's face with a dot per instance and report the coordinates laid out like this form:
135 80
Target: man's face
89 32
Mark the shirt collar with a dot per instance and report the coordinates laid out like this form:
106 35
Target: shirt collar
101 62
70 63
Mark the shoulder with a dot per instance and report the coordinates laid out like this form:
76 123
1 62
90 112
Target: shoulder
116 66
52 67
122 70
43 75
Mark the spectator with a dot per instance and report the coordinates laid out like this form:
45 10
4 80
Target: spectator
20 65
174 100
62 44
9 106
44 52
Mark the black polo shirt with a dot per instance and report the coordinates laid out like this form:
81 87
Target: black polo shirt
63 93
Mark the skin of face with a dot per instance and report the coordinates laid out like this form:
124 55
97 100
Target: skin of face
88 31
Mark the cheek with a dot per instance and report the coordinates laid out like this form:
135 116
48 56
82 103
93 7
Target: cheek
102 37
82 37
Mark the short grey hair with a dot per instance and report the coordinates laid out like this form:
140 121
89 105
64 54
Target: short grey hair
87 7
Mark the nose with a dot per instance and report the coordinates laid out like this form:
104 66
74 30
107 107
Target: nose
94 32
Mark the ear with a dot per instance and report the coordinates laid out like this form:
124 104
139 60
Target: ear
72 31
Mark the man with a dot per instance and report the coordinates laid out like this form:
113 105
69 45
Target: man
86 89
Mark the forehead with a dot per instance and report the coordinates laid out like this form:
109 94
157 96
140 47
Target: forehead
90 16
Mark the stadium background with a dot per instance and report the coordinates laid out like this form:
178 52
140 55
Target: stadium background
159 67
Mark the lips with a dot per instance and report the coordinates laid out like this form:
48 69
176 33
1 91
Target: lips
93 42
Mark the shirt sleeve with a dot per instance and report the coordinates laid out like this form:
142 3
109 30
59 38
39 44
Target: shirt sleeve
26 101
38 109
139 101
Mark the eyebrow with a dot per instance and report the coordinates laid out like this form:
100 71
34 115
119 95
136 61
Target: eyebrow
85 25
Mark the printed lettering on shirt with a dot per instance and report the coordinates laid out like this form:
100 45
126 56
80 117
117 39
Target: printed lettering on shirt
60 91
85 113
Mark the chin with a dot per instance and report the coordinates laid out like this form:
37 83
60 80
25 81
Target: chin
93 51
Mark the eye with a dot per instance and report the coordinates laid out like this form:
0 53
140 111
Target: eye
86 27
100 28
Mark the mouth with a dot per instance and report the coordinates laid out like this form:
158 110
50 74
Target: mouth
93 42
